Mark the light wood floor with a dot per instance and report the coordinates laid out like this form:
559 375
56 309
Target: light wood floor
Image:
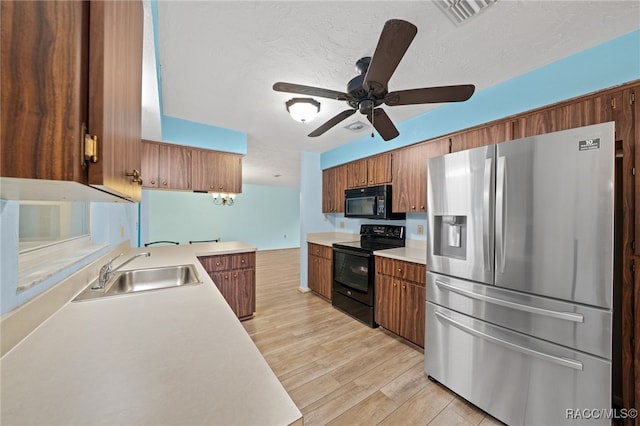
337 370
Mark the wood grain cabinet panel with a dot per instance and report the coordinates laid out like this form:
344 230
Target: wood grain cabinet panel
320 269
44 88
370 171
174 167
115 88
482 136
568 115
400 298
72 64
149 164
334 182
387 303
216 171
410 174
234 275
238 289
357 173
379 169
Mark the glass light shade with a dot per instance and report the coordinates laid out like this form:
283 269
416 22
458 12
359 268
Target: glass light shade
223 199
303 109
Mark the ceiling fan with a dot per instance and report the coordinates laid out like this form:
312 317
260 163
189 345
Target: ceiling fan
368 90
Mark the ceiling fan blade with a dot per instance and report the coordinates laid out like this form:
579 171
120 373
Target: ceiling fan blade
430 95
394 41
332 122
310 91
383 124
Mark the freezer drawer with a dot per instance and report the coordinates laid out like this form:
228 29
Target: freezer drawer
580 327
518 379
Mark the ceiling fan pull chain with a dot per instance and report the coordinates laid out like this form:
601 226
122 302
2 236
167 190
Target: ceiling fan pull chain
372 117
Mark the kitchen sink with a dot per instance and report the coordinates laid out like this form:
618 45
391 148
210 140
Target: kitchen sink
138 280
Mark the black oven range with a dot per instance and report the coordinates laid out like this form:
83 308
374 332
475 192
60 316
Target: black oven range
353 289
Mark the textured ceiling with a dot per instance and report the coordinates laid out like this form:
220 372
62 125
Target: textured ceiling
219 60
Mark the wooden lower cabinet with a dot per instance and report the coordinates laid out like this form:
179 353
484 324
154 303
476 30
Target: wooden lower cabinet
235 277
319 269
400 298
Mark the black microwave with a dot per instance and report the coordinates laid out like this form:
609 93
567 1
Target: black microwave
371 202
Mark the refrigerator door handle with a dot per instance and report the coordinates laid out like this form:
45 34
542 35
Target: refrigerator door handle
567 316
566 362
486 200
501 177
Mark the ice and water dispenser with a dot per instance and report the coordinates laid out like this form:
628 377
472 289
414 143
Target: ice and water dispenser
450 236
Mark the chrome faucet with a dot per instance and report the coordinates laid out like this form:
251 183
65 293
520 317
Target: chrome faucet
107 271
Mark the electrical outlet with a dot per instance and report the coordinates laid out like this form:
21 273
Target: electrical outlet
420 229
341 225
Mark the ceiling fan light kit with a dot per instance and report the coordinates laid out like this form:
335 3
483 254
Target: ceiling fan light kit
303 109
368 90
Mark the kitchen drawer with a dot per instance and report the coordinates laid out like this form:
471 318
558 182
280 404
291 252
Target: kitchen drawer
408 271
320 250
531 381
243 260
579 326
216 263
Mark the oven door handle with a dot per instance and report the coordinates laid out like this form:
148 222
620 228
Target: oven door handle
351 253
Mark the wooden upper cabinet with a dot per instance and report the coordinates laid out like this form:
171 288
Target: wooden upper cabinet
568 115
379 169
216 171
115 95
334 182
482 136
44 88
410 174
67 65
357 173
174 166
149 164
369 171
169 166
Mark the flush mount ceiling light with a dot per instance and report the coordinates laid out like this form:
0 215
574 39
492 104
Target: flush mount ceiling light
303 109
461 10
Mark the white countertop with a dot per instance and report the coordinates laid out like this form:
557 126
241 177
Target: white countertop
329 238
173 356
415 251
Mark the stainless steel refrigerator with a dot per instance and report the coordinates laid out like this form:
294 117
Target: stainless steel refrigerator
520 276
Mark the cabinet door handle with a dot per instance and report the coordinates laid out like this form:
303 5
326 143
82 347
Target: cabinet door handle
135 176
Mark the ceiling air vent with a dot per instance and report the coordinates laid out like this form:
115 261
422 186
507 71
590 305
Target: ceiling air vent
357 126
459 11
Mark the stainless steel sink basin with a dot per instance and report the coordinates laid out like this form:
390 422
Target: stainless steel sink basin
137 280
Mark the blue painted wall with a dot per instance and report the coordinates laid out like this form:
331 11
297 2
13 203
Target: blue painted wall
185 132
111 224
265 216
607 65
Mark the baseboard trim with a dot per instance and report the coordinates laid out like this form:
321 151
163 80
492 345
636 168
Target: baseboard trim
304 289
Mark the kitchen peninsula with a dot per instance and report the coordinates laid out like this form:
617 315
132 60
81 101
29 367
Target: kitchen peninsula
170 356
